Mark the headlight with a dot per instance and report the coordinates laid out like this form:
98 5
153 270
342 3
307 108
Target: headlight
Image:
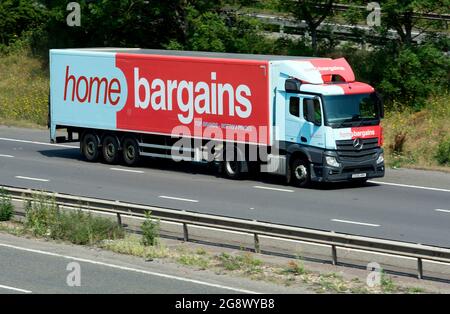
331 161
380 158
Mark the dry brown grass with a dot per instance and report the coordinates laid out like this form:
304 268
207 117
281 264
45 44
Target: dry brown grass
412 138
23 90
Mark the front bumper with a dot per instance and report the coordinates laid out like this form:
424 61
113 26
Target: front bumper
348 171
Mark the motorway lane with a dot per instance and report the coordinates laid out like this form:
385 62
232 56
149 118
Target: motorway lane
37 266
384 211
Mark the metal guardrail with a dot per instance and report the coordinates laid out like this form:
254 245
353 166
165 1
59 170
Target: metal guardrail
257 228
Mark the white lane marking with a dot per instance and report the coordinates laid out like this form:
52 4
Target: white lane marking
6 156
126 170
128 269
178 199
355 222
273 189
34 142
442 210
410 186
15 289
32 179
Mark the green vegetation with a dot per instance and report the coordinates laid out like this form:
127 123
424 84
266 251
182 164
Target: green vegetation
387 284
132 245
6 207
443 152
200 262
417 138
150 230
295 268
43 218
246 262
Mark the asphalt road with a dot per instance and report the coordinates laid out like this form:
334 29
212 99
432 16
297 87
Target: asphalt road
408 205
38 266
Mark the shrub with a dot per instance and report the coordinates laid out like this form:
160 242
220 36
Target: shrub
43 218
84 228
443 152
150 230
6 207
41 213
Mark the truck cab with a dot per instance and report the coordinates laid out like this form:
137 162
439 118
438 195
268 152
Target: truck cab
327 124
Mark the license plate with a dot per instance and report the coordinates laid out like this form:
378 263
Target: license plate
359 175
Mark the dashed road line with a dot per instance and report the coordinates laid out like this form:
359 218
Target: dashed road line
355 222
178 199
127 170
36 143
32 179
272 189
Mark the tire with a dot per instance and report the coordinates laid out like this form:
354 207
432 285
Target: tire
300 173
130 151
233 169
110 149
90 147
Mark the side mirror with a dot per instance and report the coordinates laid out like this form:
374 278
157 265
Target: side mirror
379 102
292 86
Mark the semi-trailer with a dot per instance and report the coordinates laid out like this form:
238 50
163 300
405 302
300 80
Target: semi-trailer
305 118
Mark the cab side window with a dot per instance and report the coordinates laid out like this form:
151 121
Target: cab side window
294 106
316 117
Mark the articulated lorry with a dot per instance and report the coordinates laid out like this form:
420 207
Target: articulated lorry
303 118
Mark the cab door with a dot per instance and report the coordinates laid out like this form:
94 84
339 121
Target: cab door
312 130
294 119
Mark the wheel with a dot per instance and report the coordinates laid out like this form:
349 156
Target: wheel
233 168
110 149
90 147
130 151
300 173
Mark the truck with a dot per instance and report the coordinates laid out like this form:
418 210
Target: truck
304 118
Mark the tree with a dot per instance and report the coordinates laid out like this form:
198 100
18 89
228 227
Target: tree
17 16
313 12
404 16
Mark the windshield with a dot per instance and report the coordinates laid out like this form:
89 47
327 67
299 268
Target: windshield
351 110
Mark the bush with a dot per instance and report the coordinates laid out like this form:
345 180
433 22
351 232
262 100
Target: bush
443 152
43 218
414 74
6 207
41 214
150 230
84 228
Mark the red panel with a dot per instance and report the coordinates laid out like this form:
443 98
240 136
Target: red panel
334 67
367 132
186 91
356 88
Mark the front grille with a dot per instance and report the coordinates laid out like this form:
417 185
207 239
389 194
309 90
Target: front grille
346 151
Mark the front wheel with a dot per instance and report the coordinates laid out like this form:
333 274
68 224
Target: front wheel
300 173
130 152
